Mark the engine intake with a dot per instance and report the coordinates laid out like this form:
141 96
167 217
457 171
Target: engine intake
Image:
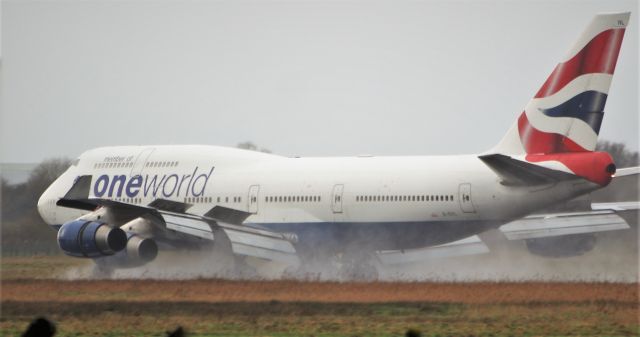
83 238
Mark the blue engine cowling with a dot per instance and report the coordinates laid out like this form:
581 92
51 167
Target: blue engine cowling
83 238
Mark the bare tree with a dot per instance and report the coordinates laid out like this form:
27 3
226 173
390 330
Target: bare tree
46 173
23 230
622 156
248 145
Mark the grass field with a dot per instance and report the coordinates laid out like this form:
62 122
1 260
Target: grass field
30 287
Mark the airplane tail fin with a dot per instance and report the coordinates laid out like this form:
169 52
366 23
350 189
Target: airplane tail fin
566 113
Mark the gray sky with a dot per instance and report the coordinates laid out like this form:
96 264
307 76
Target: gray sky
298 77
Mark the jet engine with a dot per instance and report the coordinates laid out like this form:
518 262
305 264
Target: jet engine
140 250
83 238
562 246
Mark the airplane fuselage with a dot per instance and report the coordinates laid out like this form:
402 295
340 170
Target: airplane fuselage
386 202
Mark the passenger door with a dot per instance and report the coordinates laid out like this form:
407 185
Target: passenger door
464 196
336 198
137 168
252 198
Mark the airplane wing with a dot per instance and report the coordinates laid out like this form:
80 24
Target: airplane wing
557 224
246 241
468 246
579 216
217 224
588 217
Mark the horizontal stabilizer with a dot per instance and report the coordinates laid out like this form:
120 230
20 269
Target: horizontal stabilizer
628 171
547 225
518 172
468 246
620 206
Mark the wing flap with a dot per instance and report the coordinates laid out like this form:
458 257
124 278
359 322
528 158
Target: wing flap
468 246
244 240
545 225
188 225
259 243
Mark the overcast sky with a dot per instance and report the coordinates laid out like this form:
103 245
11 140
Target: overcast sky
310 78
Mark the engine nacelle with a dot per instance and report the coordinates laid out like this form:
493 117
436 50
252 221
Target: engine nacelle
139 251
83 238
562 246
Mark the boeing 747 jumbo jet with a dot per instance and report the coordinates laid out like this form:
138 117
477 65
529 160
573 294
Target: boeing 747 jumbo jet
122 205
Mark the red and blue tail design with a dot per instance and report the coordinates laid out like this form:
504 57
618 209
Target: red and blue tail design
566 113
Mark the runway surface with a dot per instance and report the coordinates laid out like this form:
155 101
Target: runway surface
213 307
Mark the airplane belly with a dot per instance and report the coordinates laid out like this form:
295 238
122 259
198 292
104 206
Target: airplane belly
379 235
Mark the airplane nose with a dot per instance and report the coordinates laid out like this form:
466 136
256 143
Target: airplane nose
42 201
46 205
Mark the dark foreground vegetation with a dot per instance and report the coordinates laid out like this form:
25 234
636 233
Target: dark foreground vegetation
332 319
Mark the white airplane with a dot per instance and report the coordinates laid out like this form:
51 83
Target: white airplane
119 205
